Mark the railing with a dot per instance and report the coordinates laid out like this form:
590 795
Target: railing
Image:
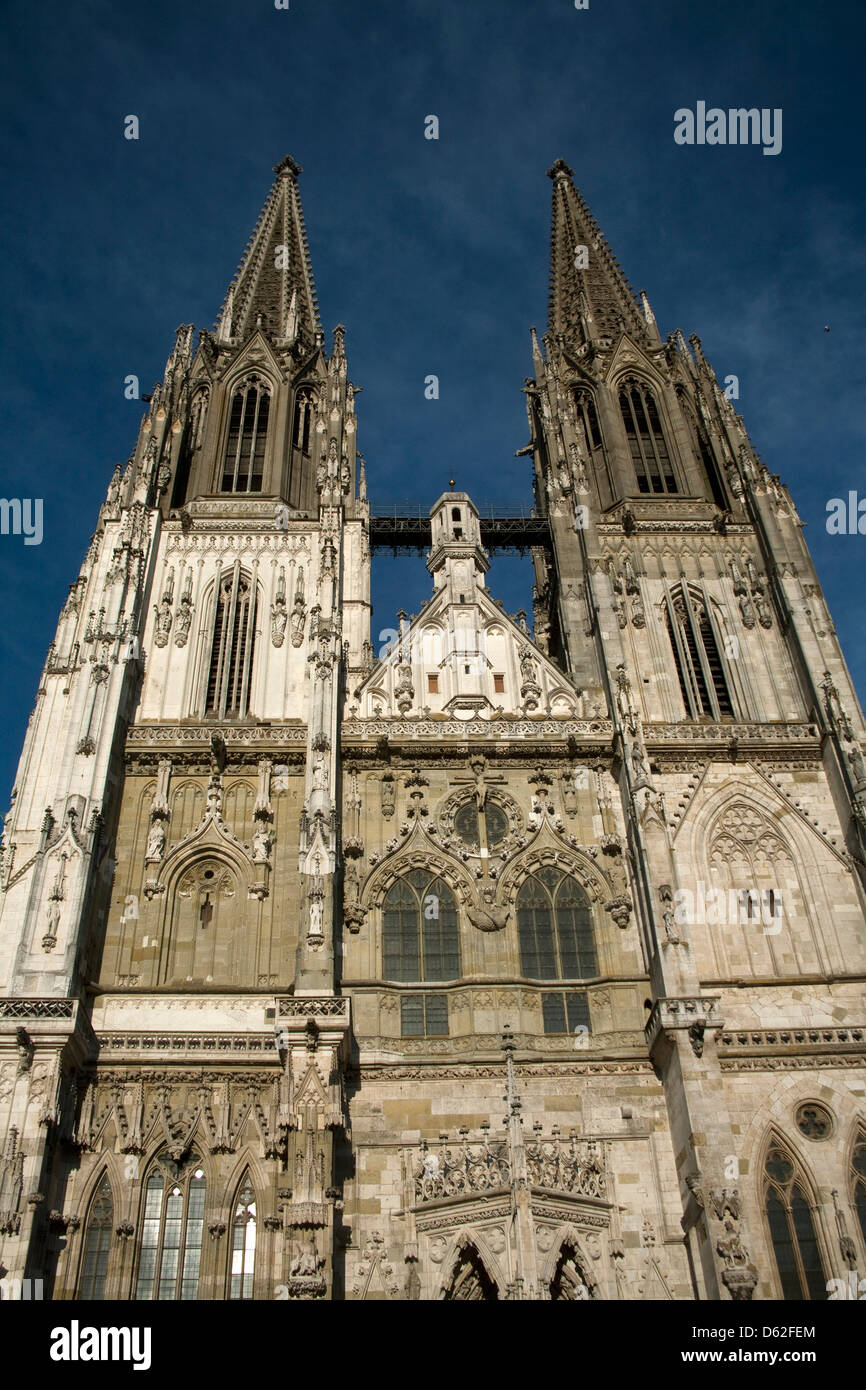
504 526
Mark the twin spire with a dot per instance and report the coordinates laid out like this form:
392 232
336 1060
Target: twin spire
590 299
274 283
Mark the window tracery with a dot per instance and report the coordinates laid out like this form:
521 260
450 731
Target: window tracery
700 668
646 438
229 675
169 1259
97 1243
792 1228
858 1180
243 1243
554 924
420 940
243 463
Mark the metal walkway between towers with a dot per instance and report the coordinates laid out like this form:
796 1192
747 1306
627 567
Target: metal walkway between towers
405 526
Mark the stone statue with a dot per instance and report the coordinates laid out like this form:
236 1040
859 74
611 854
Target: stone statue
156 840
306 1261
261 844
163 620
855 758
320 774
114 488
299 615
53 915
527 665
279 623
488 917
638 762
214 797
183 620
431 1166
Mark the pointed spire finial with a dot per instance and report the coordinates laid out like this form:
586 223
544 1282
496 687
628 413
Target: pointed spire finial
287 165
560 170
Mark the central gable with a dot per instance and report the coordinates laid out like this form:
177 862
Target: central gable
464 660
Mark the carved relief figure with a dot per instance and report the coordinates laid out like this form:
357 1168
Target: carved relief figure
156 841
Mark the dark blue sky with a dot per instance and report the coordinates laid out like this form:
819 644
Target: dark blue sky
433 254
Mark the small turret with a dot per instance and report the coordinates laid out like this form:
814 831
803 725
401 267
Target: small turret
457 559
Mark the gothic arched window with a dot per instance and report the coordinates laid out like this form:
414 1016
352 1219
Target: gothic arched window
97 1242
704 450
243 1246
191 443
568 1284
243 464
419 930
470 1281
303 420
554 927
171 1231
858 1174
646 439
700 669
231 658
588 417
792 1229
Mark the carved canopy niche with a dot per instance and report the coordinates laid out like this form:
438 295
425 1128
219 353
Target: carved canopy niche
206 931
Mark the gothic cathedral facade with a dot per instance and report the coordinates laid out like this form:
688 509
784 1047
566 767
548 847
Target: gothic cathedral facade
498 964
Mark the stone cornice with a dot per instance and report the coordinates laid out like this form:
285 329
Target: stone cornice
470 1071
853 1061
674 527
141 736
162 1046
742 1042
748 736
597 731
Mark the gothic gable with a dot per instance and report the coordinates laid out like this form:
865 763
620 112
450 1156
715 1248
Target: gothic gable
465 661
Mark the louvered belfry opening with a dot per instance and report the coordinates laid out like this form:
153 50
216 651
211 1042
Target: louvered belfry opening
231 661
243 466
588 416
303 419
698 659
646 439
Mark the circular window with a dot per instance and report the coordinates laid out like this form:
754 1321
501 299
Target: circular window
814 1121
466 826
497 824
470 825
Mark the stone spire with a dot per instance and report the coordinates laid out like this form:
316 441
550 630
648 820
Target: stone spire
590 298
275 277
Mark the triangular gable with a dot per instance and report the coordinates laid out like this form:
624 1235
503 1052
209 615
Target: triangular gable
464 661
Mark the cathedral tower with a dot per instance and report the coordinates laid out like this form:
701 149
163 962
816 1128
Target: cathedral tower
499 964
